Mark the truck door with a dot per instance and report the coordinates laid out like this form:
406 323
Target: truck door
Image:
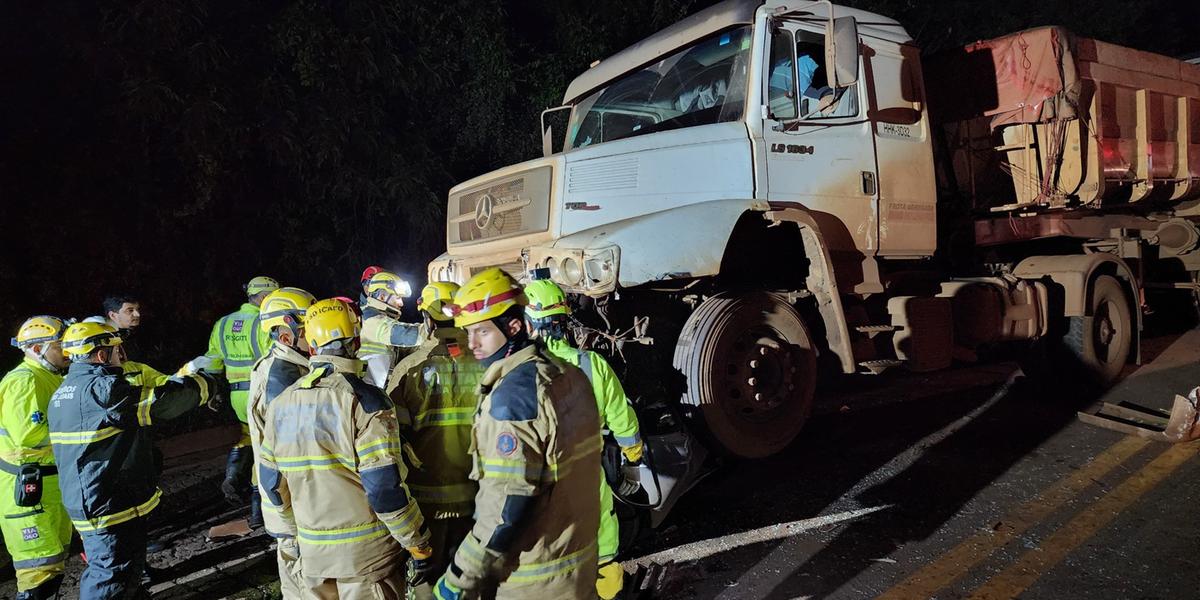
907 189
820 152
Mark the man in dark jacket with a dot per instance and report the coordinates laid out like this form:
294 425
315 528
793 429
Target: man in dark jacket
98 429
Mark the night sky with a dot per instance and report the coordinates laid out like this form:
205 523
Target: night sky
172 149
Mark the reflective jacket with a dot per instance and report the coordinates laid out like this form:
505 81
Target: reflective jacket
436 394
330 462
236 343
382 335
616 414
143 376
537 461
272 374
24 398
98 428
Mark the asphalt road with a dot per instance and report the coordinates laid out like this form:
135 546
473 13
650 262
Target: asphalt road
974 483
969 483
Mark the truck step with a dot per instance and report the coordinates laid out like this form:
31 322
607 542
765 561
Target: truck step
876 367
873 330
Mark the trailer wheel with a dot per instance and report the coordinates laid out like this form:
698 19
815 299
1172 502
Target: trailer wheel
750 368
1100 344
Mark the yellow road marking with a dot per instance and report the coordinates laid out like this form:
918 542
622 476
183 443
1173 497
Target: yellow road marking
955 563
1034 563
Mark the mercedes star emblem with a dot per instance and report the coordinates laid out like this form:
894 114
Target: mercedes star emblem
483 211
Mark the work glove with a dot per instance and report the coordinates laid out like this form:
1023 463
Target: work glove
633 453
444 590
200 363
420 566
218 390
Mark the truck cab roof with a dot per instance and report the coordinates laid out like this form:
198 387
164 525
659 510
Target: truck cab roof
718 17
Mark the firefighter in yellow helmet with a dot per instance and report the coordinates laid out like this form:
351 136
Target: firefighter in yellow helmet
101 442
547 314
436 394
236 343
281 317
537 459
384 335
37 531
331 468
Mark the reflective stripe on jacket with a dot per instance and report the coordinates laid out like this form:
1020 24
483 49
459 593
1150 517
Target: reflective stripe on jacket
330 462
436 394
616 414
273 374
98 428
24 400
537 460
382 336
236 343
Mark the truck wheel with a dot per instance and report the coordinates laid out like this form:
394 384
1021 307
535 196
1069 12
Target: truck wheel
751 370
1099 345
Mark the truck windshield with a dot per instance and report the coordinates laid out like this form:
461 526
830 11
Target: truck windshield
702 84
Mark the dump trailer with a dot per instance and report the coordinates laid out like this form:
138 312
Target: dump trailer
767 195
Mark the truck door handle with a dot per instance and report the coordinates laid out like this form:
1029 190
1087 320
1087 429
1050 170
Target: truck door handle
868 183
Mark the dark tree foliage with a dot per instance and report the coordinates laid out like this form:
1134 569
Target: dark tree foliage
175 148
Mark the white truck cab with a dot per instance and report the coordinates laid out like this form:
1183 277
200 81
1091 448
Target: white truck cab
749 198
672 140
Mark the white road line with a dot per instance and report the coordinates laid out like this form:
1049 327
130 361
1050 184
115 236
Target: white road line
711 547
781 562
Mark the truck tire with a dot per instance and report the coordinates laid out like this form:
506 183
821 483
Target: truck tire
750 368
1099 345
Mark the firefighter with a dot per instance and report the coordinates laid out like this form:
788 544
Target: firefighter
435 391
547 315
383 334
236 343
100 438
537 458
331 467
281 318
36 529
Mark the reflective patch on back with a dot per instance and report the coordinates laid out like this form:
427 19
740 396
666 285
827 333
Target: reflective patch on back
309 381
515 397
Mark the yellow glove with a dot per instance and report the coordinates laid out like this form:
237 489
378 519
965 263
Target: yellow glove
633 453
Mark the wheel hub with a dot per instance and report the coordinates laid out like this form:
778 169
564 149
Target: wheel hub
761 373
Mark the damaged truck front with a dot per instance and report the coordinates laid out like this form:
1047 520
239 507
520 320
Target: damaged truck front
748 200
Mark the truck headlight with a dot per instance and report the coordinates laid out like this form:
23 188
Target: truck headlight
572 271
589 271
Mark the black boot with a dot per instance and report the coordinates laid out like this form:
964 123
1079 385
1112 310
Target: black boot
255 520
237 475
47 591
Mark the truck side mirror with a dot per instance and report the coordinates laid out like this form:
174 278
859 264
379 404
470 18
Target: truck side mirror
841 51
561 114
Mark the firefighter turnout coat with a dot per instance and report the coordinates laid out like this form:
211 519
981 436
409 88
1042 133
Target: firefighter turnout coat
99 432
330 463
536 447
